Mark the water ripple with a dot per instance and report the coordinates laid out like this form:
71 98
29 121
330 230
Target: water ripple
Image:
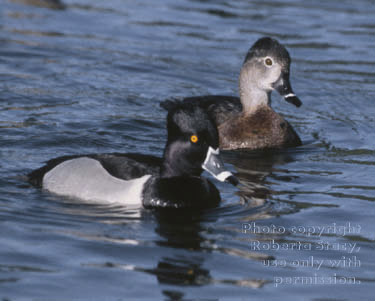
89 78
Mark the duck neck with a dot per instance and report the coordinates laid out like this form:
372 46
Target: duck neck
252 97
176 165
168 170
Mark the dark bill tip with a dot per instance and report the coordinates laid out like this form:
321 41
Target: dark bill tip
293 99
232 180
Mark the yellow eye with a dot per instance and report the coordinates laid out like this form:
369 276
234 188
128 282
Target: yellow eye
194 138
268 62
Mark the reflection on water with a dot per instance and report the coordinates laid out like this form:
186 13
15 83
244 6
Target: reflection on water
83 76
254 168
187 234
53 4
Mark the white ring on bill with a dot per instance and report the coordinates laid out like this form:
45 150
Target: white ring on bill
289 95
223 175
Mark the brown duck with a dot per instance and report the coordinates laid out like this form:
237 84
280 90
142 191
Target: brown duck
249 122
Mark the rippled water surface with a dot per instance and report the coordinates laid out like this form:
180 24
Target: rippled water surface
88 76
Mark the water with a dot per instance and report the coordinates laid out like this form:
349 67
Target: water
89 79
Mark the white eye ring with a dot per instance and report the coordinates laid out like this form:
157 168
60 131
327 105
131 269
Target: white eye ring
268 62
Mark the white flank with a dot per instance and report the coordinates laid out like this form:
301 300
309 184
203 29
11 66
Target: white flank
86 179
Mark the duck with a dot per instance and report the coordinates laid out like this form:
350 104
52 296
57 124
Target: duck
248 121
171 181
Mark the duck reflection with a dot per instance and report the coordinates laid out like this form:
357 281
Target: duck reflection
254 170
183 231
185 235
52 4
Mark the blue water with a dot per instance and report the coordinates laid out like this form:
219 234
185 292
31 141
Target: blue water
88 78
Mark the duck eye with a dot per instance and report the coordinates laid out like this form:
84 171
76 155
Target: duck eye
268 61
194 138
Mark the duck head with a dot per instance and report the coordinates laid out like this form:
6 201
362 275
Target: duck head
192 144
266 68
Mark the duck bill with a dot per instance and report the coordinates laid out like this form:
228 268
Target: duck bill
215 166
285 89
